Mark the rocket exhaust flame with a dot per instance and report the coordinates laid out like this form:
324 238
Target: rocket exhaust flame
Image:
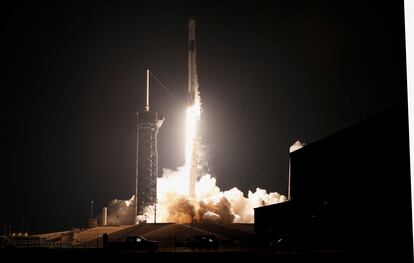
191 146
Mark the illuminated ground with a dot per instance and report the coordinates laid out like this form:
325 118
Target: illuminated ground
237 243
172 235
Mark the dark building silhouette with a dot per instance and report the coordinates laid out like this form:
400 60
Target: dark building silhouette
349 191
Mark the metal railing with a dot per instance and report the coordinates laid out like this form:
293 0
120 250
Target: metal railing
28 243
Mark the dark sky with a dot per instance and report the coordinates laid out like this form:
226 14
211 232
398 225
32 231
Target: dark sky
269 73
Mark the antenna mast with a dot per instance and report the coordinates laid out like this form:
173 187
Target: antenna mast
147 102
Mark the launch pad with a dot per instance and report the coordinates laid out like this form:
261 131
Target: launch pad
174 235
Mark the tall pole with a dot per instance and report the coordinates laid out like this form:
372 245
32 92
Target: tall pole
136 171
147 101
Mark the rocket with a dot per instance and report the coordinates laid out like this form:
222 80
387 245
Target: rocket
193 99
193 93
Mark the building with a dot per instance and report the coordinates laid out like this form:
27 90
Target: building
349 191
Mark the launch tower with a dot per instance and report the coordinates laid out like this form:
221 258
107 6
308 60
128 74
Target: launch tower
148 124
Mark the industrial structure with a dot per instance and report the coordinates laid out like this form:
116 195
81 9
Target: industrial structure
148 124
349 191
193 99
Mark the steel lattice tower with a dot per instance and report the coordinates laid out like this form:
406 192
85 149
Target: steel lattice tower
148 124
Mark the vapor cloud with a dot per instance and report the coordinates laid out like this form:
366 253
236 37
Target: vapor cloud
210 204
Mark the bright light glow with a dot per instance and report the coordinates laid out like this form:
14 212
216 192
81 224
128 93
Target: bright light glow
193 117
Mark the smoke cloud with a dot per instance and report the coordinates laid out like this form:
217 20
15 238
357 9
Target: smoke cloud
120 212
210 204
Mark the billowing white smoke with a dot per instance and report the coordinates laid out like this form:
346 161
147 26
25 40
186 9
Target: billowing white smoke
121 212
210 205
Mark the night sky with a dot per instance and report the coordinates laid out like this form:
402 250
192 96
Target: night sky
74 76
